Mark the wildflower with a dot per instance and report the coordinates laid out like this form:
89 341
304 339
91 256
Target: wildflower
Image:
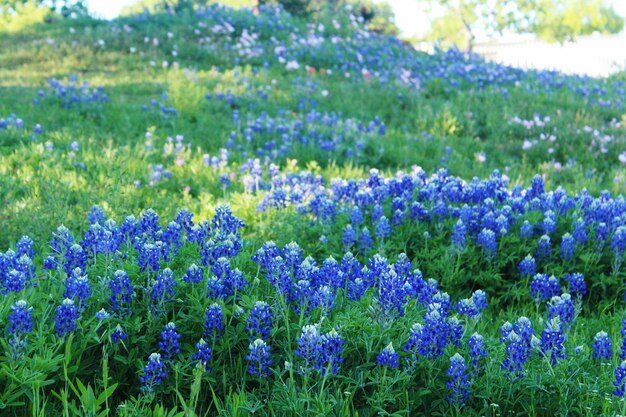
260 321
388 357
214 321
552 341
118 334
476 343
20 318
65 319
602 347
487 240
458 382
259 357
576 284
121 291
459 232
153 373
170 341
204 354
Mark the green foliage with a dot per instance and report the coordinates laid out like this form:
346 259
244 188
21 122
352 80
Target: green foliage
550 20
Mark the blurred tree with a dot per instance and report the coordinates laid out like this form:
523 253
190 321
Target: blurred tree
550 20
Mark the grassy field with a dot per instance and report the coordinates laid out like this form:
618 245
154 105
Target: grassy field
237 214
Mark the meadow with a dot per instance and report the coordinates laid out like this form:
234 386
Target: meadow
221 212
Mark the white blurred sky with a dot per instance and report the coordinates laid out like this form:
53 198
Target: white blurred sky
409 15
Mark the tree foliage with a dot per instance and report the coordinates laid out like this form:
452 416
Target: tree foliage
550 20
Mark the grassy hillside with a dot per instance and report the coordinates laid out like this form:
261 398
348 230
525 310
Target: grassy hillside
380 188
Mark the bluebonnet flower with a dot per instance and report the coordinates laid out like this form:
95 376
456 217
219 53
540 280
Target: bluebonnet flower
77 286
96 215
20 318
567 247
214 321
121 291
65 319
487 240
458 382
365 240
118 334
203 354
580 232
349 237
476 343
50 262
309 345
150 255
602 347
102 314
517 353
259 357
458 236
543 247
467 307
552 341
193 274
388 357
526 230
455 330
618 241
170 341
332 347
480 300
227 281
25 247
153 373
544 287
356 216
260 321
524 328
75 257
562 307
391 292
620 380
149 223
505 330
577 284
14 281
163 287
382 228
61 241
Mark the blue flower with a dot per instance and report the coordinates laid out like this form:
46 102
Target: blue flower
620 380
153 373
203 354
214 322
118 334
544 287
20 318
567 247
170 341
388 357
259 357
458 382
476 343
193 274
260 321
382 228
577 284
487 240
65 319
543 247
121 291
562 307
458 236
552 341
602 347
